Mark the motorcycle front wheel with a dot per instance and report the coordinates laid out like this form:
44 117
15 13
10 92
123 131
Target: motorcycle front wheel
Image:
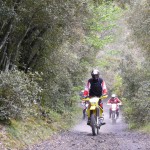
97 120
113 117
93 124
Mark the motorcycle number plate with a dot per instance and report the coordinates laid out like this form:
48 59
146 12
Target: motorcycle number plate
113 106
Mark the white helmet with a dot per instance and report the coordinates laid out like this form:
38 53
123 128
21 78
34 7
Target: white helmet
113 95
95 74
95 71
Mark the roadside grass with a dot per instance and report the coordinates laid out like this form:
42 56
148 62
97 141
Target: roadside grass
145 129
21 134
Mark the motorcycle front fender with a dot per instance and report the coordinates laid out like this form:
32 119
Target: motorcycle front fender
92 107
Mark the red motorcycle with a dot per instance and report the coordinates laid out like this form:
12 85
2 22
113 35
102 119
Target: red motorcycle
114 111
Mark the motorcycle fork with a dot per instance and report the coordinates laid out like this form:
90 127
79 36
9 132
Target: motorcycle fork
91 112
97 116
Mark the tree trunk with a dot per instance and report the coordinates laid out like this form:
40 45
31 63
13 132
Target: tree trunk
6 35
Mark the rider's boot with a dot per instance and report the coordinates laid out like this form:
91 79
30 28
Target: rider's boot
84 113
102 121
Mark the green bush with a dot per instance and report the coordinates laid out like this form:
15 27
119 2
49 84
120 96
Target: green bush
136 84
17 92
135 70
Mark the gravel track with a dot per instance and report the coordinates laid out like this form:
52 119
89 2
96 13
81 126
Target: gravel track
111 137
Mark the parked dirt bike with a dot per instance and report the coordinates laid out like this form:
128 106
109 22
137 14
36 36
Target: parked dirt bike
114 111
94 111
85 105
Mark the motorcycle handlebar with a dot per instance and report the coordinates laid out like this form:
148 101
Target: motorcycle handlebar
116 103
101 97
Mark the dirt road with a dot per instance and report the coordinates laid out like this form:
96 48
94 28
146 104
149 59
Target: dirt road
111 137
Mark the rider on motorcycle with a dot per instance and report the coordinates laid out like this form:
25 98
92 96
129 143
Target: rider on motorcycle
95 87
114 100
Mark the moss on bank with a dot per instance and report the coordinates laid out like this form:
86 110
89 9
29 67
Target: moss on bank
21 134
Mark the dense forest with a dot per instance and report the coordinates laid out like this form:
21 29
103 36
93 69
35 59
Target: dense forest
48 48
135 67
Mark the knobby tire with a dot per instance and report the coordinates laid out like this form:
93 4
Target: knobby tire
93 123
